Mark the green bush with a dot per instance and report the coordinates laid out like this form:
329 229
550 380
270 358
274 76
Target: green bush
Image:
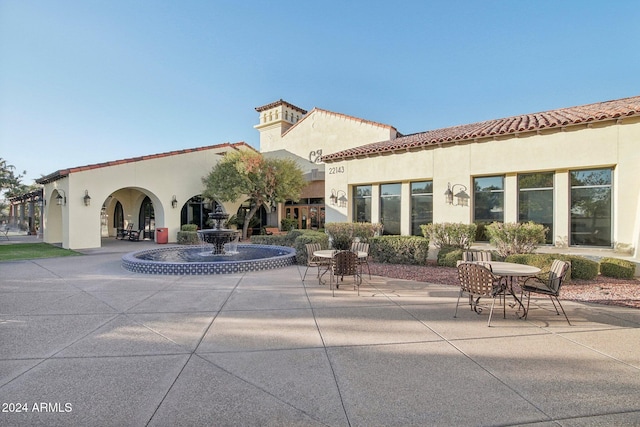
449 234
411 250
188 227
619 268
449 256
308 237
188 238
515 237
581 268
288 224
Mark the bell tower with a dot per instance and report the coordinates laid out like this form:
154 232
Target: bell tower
275 119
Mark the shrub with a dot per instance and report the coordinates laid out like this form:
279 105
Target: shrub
187 235
308 237
581 268
515 238
411 250
365 231
288 224
619 268
449 256
449 234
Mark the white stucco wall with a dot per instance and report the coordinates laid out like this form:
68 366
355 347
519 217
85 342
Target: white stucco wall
159 177
607 144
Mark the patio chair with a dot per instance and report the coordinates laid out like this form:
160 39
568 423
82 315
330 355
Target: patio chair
134 235
314 261
124 232
476 256
362 247
478 281
345 263
548 284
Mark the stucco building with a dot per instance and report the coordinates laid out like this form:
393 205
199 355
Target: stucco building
573 169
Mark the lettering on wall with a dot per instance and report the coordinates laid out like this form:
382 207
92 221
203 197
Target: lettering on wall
315 155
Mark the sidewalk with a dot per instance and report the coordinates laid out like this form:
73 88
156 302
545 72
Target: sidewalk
86 343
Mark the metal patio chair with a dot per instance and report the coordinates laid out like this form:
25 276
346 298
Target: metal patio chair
548 284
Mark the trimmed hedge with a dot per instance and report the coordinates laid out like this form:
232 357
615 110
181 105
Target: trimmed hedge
618 268
412 250
187 235
581 268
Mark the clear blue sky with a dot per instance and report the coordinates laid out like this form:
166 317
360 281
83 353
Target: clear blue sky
88 81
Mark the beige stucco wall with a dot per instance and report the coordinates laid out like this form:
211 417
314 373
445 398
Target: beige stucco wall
580 147
323 132
77 226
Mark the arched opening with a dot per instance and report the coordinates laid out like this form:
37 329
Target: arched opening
196 211
147 219
258 221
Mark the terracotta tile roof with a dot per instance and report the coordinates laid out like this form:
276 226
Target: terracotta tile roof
62 173
280 102
590 113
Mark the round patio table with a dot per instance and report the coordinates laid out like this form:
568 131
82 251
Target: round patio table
511 271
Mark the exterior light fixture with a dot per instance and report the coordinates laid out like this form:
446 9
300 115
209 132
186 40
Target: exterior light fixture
461 197
338 198
61 200
174 202
86 198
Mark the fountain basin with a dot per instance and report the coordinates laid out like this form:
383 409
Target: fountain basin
198 260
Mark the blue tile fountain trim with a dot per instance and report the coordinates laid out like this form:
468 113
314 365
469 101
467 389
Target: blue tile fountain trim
286 256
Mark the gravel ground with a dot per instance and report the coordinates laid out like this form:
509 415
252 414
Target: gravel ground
601 290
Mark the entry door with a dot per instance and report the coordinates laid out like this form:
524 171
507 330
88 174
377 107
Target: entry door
147 218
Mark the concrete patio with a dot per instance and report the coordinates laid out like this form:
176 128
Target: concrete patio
100 346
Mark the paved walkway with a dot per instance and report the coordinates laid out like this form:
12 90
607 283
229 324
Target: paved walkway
89 344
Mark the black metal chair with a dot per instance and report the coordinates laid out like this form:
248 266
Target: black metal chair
345 263
478 281
548 284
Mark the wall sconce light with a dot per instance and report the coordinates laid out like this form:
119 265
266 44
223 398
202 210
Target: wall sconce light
338 198
174 202
86 198
461 197
61 200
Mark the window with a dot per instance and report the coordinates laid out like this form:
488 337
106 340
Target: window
535 200
488 203
362 203
390 201
591 207
421 205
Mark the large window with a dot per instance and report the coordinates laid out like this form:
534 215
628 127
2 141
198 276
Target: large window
390 201
421 205
362 203
488 203
591 207
535 200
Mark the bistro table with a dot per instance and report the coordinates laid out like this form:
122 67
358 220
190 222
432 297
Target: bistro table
329 254
511 271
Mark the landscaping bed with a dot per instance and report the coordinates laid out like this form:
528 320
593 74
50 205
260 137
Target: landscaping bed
601 290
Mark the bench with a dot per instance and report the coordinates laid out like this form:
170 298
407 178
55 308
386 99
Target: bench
5 231
273 231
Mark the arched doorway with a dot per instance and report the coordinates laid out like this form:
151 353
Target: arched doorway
147 219
196 211
258 221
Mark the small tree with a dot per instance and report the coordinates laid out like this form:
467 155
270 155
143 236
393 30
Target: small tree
263 181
